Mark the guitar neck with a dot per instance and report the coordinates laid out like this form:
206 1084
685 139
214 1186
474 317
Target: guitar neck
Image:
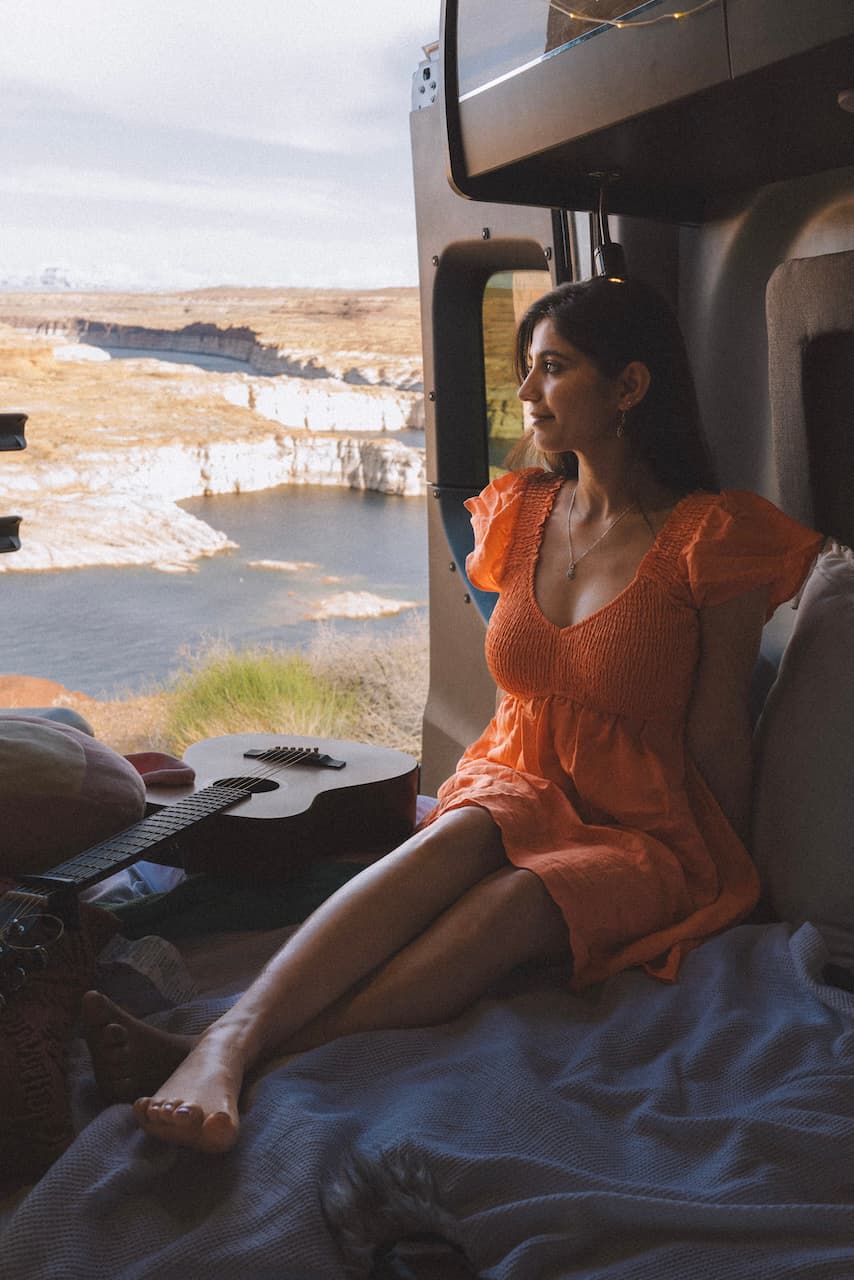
128 846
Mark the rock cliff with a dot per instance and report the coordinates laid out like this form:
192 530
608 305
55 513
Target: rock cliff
238 342
114 449
118 507
324 404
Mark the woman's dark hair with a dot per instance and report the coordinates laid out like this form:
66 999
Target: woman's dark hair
614 322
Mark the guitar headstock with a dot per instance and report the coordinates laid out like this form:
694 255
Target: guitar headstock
26 941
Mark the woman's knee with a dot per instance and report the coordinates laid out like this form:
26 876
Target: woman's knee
469 820
468 832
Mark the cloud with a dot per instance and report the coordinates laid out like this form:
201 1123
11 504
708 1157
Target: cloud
259 143
319 76
322 199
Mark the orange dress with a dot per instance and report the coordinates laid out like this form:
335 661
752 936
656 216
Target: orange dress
584 767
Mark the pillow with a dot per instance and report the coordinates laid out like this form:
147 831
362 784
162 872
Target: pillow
63 715
60 792
803 833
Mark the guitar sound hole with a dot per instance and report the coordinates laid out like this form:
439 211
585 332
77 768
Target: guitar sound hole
255 785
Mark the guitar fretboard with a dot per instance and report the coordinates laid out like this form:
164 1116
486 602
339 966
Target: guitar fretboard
119 851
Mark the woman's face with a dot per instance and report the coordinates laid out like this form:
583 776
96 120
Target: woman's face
569 404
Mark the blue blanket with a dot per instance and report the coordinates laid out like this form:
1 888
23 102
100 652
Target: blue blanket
644 1132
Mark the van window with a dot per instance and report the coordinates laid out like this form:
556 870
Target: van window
506 298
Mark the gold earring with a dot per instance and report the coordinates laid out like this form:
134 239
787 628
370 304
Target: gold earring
621 424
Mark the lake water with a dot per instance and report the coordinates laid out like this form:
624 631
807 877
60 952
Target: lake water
107 632
199 359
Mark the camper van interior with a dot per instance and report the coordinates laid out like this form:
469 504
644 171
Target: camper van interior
637 1129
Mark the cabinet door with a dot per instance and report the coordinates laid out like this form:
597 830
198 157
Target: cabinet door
765 31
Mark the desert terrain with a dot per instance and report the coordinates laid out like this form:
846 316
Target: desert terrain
68 400
127 439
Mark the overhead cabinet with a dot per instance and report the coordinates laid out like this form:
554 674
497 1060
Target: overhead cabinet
741 93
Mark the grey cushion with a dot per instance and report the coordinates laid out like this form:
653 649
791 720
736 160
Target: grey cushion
803 837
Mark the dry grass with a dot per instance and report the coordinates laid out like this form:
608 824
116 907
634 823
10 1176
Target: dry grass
387 674
135 724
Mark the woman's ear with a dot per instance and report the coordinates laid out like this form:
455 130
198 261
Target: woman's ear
634 383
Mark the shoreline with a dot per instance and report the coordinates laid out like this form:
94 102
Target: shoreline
114 446
124 506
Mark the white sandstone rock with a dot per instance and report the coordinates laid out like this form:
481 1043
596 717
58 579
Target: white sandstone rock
79 351
358 604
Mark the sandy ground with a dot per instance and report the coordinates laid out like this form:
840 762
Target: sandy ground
131 725
328 321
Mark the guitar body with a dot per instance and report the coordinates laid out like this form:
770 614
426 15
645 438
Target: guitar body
359 806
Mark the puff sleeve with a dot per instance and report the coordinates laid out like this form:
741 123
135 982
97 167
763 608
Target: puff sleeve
493 517
742 542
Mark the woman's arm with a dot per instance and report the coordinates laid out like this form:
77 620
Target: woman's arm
719 732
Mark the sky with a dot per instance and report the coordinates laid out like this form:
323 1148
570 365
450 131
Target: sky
186 143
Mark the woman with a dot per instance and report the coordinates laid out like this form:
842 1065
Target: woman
599 821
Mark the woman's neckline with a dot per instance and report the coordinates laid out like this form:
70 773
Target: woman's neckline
555 488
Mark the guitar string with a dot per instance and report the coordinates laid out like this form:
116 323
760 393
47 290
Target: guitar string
263 775
33 903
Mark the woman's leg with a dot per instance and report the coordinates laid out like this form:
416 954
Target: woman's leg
502 922
505 921
355 932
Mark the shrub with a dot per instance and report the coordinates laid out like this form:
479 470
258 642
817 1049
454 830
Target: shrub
225 690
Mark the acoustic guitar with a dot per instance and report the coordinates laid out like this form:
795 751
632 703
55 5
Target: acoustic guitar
306 798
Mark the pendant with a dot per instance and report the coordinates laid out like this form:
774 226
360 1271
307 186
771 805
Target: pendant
570 573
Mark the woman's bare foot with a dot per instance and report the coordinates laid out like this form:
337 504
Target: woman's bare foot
129 1056
197 1105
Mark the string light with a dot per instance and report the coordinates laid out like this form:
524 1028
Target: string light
621 24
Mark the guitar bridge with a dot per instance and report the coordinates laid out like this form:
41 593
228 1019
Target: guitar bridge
311 756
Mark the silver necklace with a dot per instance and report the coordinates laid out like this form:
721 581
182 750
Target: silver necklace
575 561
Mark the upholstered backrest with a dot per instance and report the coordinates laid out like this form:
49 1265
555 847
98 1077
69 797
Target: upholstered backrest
803 832
810 314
